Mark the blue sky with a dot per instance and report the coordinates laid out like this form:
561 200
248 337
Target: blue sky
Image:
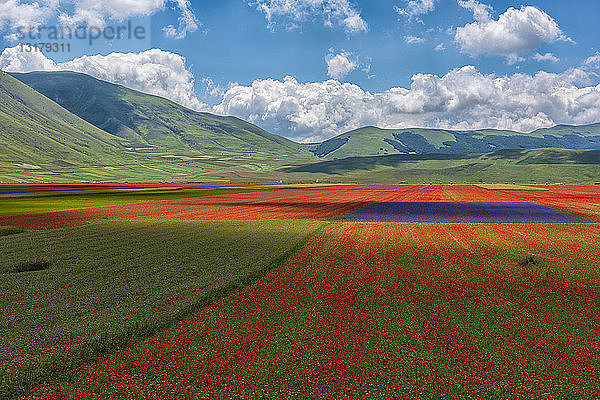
377 45
235 45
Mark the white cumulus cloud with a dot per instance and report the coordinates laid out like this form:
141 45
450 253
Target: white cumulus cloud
333 12
593 61
415 8
13 59
16 14
516 32
464 98
414 40
187 22
154 71
546 57
26 15
340 65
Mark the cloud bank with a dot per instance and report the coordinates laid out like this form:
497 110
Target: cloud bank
463 98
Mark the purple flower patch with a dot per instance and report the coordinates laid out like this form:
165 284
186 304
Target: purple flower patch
461 211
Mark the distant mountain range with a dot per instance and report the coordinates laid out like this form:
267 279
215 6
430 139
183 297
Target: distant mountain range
533 157
371 141
55 116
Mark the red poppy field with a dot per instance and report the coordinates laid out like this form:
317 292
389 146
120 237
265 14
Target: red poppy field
498 296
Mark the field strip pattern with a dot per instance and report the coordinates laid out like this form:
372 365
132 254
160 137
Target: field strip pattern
371 203
372 310
450 291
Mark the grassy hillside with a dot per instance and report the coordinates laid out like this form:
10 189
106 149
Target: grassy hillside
148 120
520 157
540 165
34 129
371 141
548 156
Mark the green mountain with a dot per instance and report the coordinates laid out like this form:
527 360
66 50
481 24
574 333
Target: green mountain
148 120
512 157
371 141
35 129
523 166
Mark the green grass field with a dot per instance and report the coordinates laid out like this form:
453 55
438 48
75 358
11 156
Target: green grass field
110 284
59 202
522 166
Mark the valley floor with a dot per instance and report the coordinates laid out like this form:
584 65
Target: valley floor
349 291
504 166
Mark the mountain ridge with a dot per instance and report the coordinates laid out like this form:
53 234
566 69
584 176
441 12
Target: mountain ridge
146 119
33 127
374 141
134 119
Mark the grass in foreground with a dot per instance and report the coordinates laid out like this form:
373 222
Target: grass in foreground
370 310
113 283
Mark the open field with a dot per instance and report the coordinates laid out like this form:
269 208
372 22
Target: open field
13 204
371 310
334 291
111 283
151 165
38 199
